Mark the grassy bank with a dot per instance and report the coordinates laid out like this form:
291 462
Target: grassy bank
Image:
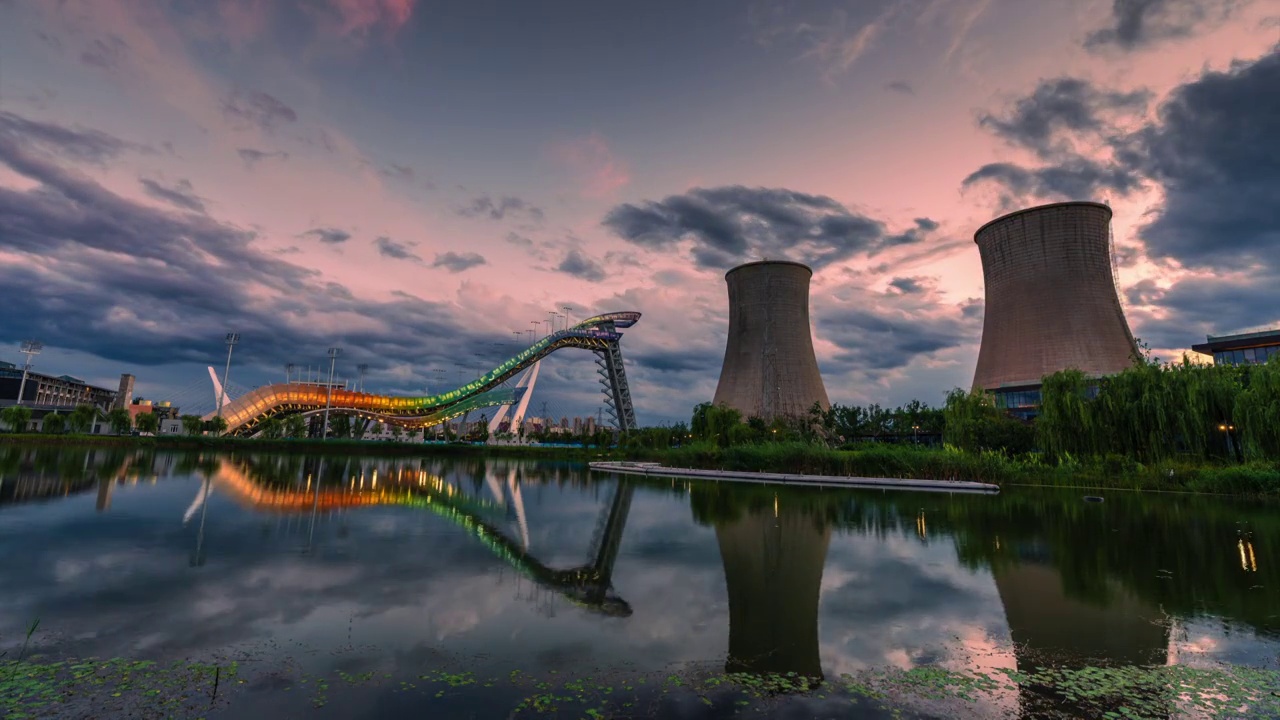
906 461
309 446
881 460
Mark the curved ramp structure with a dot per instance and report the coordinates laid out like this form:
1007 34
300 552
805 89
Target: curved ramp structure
599 334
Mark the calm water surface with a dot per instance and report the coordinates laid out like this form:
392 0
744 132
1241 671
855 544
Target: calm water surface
336 584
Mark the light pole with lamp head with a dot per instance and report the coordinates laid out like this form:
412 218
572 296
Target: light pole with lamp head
334 352
30 348
232 339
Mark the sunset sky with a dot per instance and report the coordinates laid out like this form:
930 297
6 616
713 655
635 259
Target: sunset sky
413 180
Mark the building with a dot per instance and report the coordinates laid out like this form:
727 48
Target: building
1241 349
124 396
769 368
1051 301
46 392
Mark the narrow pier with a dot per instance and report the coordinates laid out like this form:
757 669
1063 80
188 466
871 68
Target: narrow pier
657 470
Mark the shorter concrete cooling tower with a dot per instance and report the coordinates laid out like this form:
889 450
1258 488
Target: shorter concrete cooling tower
769 367
1051 297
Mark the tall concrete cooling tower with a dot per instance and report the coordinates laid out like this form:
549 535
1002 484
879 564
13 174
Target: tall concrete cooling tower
769 367
1051 296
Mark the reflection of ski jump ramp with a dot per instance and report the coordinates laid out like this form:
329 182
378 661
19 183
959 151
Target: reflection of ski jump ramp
599 334
589 586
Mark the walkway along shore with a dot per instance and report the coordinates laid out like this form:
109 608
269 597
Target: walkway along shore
657 470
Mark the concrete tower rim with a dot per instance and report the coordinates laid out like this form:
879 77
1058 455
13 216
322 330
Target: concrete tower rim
756 263
1038 208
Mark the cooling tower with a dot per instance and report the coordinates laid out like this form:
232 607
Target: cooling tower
769 367
1051 296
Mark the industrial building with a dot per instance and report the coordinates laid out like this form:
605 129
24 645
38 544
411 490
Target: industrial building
769 367
1051 301
1241 349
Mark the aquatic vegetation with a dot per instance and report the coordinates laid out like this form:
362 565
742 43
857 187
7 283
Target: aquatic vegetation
114 687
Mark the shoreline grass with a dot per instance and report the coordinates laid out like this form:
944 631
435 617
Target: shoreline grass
1253 478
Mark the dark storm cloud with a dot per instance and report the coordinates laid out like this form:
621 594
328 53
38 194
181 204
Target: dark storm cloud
332 236
909 286
728 225
75 144
485 206
395 250
1139 23
1057 107
579 265
252 157
893 331
1216 151
145 286
684 360
1077 178
457 262
1197 306
180 194
259 109
900 86
105 53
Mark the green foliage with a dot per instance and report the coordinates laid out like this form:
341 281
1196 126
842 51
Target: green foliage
975 424
54 424
295 426
340 426
216 425
81 419
713 423
148 422
1153 413
192 424
120 421
16 417
272 428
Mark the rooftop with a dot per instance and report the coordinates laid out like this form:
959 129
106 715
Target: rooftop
1238 341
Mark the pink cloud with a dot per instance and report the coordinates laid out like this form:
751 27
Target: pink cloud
360 16
243 20
595 168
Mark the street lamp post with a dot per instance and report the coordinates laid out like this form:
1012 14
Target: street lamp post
288 373
1226 430
232 339
30 348
915 434
553 315
565 308
334 352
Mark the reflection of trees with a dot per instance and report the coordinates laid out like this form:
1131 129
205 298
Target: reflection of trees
1190 555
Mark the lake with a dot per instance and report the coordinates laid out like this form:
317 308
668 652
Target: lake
237 585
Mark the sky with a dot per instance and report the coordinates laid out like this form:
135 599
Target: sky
414 180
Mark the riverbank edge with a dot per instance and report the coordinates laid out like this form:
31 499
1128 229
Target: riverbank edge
1256 479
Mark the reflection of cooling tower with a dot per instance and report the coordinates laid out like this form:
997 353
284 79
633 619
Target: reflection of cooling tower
769 367
773 571
1051 296
1051 629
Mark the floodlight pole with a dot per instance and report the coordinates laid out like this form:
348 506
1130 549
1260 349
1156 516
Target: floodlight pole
232 339
361 369
29 348
333 359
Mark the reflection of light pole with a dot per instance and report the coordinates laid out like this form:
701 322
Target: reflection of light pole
29 348
197 560
232 339
333 358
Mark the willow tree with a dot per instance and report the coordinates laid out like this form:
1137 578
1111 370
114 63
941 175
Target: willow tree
1257 412
1065 423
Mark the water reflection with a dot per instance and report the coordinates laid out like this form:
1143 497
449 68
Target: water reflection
794 581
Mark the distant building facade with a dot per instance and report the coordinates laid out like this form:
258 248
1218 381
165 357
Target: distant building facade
46 392
1252 348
